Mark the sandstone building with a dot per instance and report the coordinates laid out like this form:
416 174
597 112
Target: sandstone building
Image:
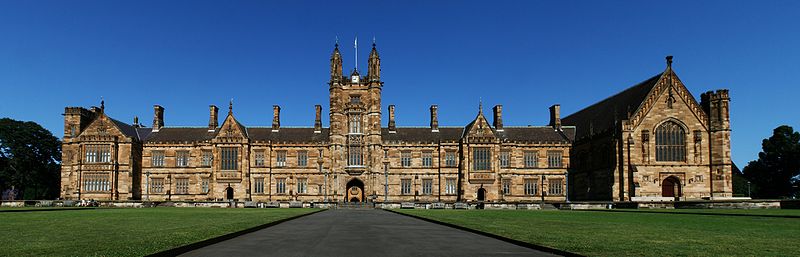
359 158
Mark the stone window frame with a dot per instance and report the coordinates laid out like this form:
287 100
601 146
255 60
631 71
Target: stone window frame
96 182
555 159
302 158
258 186
530 158
260 157
229 158
182 158
157 185
482 158
405 158
157 158
506 185
181 186
97 153
427 186
280 186
427 159
670 143
280 158
207 158
205 185
504 158
405 186
302 186
450 159
450 186
555 186
531 186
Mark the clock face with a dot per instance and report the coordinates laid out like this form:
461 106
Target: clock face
354 79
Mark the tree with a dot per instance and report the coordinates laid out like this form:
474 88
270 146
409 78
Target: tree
30 159
777 169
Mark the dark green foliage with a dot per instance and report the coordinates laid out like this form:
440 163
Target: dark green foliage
776 171
30 159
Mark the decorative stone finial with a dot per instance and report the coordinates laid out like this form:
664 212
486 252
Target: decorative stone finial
669 61
230 107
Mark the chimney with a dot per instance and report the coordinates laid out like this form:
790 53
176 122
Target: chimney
136 122
213 122
276 118
498 117
555 116
391 119
158 117
434 118
318 120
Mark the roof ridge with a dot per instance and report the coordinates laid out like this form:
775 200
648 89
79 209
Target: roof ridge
617 94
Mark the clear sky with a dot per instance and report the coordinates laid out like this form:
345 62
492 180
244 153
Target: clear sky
525 55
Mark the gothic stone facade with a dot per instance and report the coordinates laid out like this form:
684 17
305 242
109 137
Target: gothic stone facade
356 158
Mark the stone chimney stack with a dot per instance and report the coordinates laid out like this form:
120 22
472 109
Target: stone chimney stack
555 116
392 128
434 118
276 118
318 120
158 118
213 120
498 117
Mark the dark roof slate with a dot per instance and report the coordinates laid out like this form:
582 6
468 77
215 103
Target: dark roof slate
289 135
537 134
600 117
126 129
421 134
180 134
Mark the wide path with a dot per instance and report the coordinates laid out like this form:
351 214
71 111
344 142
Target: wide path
362 233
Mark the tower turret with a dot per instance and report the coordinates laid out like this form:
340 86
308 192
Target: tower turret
336 64
374 69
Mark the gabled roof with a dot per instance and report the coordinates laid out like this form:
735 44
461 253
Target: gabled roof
538 134
289 135
603 115
126 129
180 134
421 134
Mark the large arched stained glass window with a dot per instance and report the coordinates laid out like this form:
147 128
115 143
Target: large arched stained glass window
670 142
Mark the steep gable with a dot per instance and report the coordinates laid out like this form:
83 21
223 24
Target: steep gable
104 126
673 90
479 128
231 128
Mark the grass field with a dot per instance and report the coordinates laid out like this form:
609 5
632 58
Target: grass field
123 232
637 233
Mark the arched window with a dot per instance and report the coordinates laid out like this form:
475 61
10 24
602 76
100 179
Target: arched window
355 124
670 142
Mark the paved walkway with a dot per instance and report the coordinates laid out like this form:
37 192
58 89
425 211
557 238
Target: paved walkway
362 233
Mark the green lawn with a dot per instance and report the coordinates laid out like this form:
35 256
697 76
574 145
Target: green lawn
764 212
636 233
123 232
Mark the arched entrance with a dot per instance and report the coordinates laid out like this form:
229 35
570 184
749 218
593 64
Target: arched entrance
229 193
671 187
481 197
355 191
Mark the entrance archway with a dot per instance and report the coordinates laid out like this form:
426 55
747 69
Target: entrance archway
229 193
481 197
671 187
355 191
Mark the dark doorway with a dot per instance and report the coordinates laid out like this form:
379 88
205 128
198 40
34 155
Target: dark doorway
355 191
671 187
481 198
229 193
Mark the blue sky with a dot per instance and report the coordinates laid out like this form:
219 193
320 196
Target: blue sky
526 55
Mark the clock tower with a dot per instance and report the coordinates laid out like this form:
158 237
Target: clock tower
355 127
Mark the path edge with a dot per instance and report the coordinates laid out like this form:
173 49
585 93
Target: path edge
498 237
197 245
